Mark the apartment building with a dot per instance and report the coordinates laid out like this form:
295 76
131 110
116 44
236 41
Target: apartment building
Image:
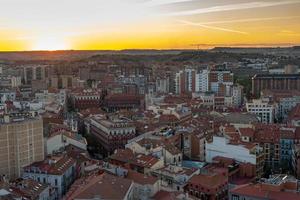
59 140
21 143
185 81
220 82
264 109
112 133
57 171
240 151
34 72
268 138
286 100
202 81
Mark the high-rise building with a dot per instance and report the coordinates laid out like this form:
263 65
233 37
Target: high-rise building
202 81
220 82
35 72
21 143
185 81
162 84
237 95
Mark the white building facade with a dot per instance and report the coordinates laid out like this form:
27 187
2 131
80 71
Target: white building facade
202 81
266 111
221 147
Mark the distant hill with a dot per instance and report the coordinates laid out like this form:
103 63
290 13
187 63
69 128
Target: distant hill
264 50
77 54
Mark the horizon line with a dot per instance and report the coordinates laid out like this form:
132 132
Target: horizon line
209 47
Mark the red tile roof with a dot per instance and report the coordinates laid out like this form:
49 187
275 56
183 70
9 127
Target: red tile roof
268 133
123 155
211 180
145 161
248 132
87 112
223 161
256 191
141 178
105 186
172 149
168 118
295 113
27 188
166 195
57 165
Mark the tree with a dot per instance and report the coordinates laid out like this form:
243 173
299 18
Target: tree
246 83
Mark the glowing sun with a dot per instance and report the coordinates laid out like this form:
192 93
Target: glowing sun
50 44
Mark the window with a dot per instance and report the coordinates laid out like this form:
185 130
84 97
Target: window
55 182
235 197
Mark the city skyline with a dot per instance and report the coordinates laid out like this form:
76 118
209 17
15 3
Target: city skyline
147 24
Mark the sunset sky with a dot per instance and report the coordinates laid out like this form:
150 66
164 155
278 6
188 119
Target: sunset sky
147 24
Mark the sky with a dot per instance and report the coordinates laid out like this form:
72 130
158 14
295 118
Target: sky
147 24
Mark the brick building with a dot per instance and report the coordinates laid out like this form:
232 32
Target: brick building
275 82
114 102
83 99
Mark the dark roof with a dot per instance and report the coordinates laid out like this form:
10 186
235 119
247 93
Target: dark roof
276 76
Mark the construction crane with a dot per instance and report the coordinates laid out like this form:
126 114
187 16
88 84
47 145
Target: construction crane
196 45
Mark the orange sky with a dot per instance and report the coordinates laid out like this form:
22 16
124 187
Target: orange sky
146 24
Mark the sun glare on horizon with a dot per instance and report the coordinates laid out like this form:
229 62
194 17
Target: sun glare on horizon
50 44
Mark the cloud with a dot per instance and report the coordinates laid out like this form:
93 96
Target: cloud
230 7
164 2
288 33
212 27
250 20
